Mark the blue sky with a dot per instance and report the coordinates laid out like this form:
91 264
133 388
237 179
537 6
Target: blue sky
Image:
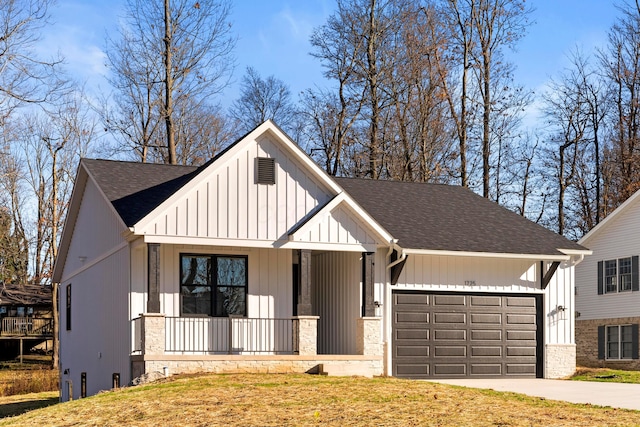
273 37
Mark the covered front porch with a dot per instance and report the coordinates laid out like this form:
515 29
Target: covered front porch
306 311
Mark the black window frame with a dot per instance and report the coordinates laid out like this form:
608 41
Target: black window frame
212 283
68 304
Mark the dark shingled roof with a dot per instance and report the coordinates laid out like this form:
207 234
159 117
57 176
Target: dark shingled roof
451 218
135 189
420 216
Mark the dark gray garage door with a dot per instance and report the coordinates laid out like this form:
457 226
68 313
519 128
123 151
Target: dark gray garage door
458 335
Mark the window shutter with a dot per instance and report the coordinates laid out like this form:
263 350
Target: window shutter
601 339
600 277
634 341
634 274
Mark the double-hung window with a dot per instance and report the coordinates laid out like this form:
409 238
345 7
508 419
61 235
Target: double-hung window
213 285
618 342
618 275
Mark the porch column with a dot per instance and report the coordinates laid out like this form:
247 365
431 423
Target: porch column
305 335
368 276
153 277
304 281
153 333
368 340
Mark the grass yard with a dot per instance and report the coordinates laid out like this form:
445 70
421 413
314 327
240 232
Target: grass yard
606 375
307 400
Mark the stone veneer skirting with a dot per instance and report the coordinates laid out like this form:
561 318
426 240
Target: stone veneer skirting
559 360
587 344
178 364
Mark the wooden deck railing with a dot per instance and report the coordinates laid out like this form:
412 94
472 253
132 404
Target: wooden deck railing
26 326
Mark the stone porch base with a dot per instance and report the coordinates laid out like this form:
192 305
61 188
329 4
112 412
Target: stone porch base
178 364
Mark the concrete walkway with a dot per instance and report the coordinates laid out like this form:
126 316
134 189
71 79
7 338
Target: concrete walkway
616 395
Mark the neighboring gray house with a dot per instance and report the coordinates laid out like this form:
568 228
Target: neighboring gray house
608 291
260 261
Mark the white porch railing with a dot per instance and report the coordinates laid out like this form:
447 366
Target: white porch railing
222 335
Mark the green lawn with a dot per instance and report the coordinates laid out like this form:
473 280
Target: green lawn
607 375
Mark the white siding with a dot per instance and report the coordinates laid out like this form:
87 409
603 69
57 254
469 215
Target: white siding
99 340
96 232
97 267
340 226
270 293
226 203
337 283
469 274
619 239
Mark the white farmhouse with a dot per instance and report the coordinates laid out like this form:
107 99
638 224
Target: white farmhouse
260 261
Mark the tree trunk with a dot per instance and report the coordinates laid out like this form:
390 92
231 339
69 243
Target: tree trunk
168 85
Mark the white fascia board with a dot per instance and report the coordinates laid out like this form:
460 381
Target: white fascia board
576 252
536 257
596 230
343 197
266 244
208 241
336 247
265 127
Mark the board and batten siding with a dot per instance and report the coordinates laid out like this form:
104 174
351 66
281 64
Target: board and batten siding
339 226
91 242
620 238
97 268
336 298
99 340
226 203
270 284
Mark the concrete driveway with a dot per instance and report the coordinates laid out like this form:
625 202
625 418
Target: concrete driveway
616 395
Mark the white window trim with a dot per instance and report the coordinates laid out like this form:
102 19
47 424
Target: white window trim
620 343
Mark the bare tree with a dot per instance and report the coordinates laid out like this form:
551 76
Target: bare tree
263 99
171 58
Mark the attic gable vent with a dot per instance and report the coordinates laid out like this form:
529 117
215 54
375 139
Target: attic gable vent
265 170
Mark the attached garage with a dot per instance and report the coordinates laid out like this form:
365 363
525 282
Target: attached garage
451 335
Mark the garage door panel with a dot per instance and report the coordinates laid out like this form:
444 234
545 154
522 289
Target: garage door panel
411 299
449 369
449 334
521 319
456 318
485 301
521 335
520 351
412 351
485 369
468 336
411 334
486 351
486 335
520 369
449 300
486 318
450 351
412 317
413 371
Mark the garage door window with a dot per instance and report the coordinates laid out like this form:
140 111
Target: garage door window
618 342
